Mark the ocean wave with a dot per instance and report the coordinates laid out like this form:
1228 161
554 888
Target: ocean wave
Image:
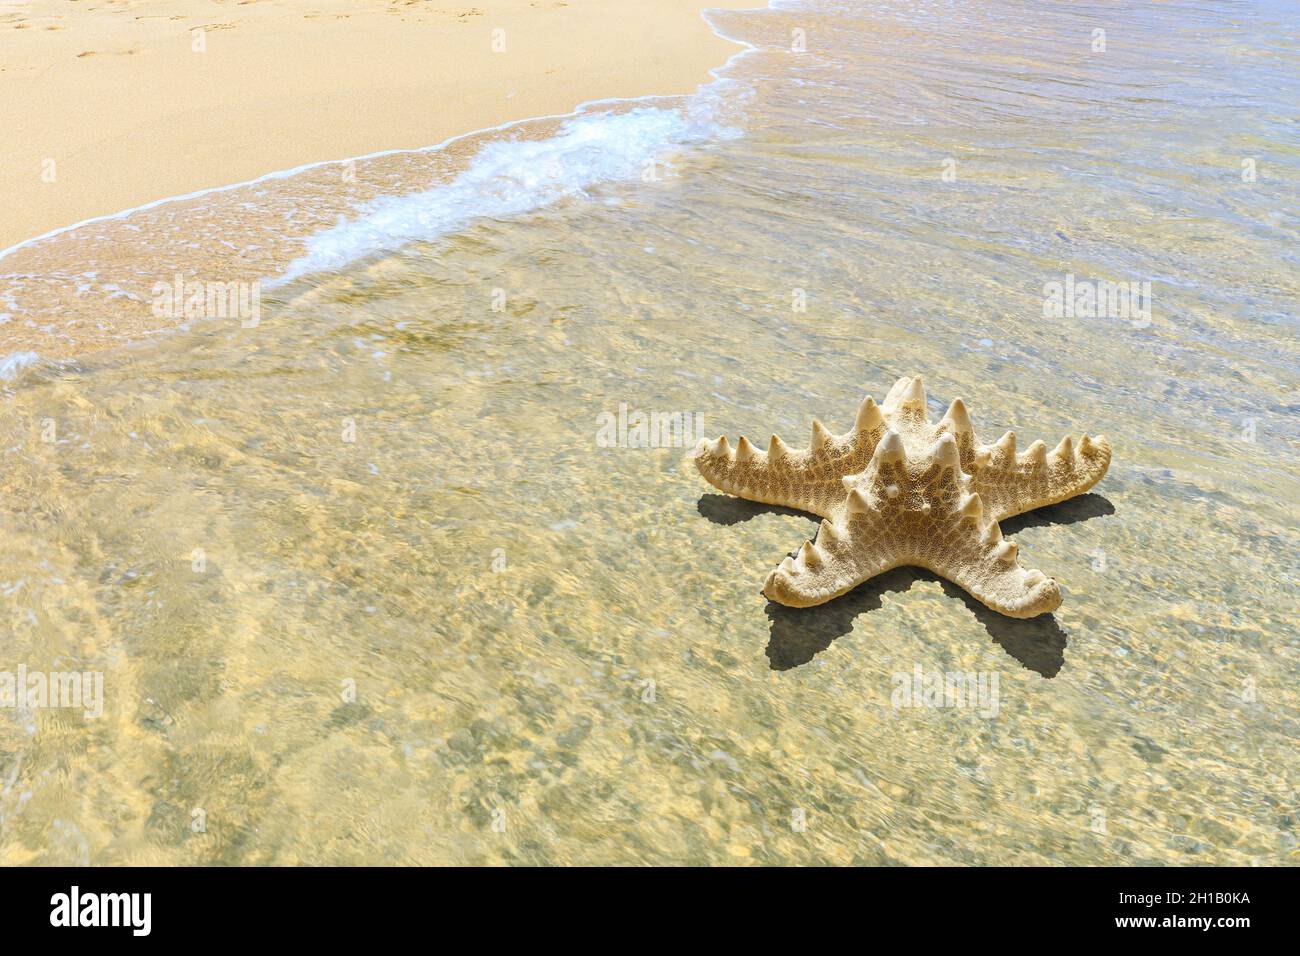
509 177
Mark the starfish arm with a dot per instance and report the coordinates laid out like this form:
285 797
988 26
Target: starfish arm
1012 484
827 568
986 567
810 479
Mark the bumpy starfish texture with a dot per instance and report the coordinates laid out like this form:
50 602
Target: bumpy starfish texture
897 490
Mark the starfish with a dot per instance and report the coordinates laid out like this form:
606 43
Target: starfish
897 490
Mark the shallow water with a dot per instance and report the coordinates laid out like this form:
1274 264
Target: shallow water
366 586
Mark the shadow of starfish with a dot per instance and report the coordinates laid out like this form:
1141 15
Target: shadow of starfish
800 634
1091 505
724 509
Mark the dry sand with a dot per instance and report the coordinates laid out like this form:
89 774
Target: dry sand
109 104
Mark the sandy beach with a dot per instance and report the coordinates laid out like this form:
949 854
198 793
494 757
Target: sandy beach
116 103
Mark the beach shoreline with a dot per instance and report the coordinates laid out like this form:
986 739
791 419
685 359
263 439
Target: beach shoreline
122 104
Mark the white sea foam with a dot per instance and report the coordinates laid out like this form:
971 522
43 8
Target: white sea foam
509 177
15 362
